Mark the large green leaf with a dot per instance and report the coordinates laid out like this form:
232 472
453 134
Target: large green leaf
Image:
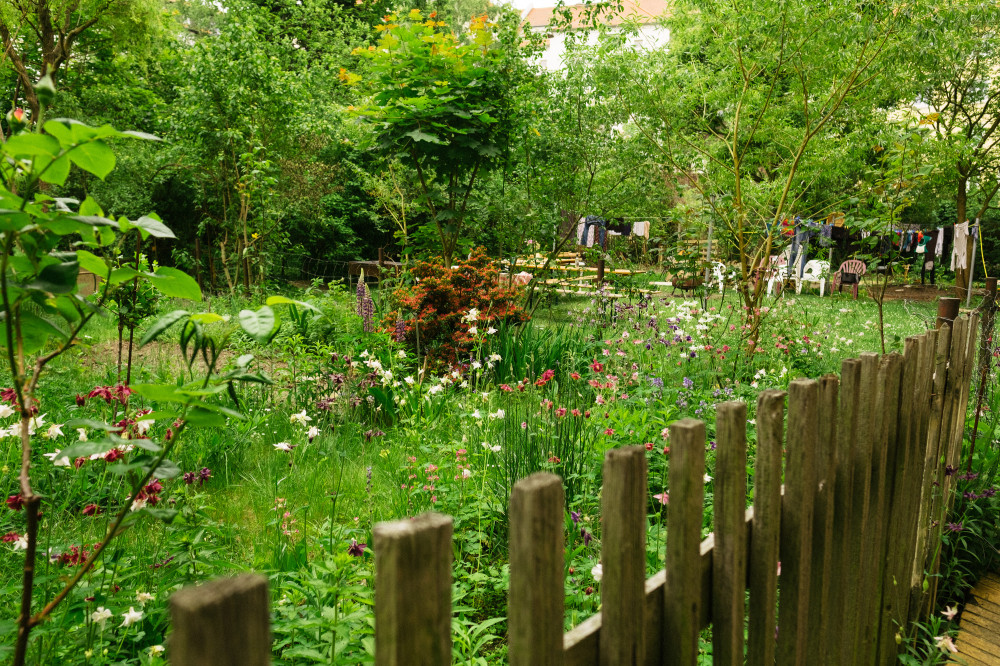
259 325
175 283
58 278
94 157
93 263
31 145
150 226
162 324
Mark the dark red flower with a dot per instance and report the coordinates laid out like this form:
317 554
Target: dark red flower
596 367
15 502
189 478
356 549
103 392
91 510
204 475
80 400
10 537
113 455
79 462
8 395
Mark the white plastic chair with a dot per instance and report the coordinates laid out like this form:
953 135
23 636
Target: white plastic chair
719 274
815 272
776 272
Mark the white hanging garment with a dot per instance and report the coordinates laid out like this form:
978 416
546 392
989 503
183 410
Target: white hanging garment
959 258
939 246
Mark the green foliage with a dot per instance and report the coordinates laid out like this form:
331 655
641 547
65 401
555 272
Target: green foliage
438 104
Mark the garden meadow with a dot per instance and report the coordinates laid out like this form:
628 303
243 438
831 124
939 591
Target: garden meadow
274 273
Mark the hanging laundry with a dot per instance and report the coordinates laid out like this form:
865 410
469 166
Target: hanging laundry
592 229
939 245
826 235
959 258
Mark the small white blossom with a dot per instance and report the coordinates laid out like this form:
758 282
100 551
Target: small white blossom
476 365
55 430
82 432
312 433
143 597
156 651
491 331
21 543
5 411
472 315
101 615
477 415
708 479
138 503
300 418
283 446
131 617
56 459
401 353
466 473
409 380
473 330
597 571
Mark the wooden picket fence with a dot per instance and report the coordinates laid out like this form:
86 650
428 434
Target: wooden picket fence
826 567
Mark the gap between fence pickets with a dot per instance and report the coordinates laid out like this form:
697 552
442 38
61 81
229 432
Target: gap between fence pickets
580 644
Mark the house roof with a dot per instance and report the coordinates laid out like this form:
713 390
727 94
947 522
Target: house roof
645 11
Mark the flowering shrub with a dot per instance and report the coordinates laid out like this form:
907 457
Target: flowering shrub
448 311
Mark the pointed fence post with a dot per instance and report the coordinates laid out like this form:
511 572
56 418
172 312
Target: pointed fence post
413 591
796 523
623 559
682 600
535 609
766 529
729 557
222 623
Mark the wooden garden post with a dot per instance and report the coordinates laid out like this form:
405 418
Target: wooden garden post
535 609
222 623
413 591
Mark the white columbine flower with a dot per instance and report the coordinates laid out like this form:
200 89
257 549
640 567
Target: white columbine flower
283 446
476 365
494 357
708 479
56 460
143 426
401 353
82 432
409 380
5 411
21 543
491 331
312 433
55 430
138 503
156 651
101 615
477 415
301 418
499 415
597 571
131 617
143 597
472 315
435 389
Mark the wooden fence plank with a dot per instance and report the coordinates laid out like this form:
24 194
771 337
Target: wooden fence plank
623 531
222 623
413 591
938 434
884 420
861 537
682 592
844 564
820 619
535 608
796 523
922 403
764 538
729 564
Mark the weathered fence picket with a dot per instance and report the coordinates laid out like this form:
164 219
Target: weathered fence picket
848 502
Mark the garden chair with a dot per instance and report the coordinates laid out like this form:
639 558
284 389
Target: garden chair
850 272
719 274
775 272
814 273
